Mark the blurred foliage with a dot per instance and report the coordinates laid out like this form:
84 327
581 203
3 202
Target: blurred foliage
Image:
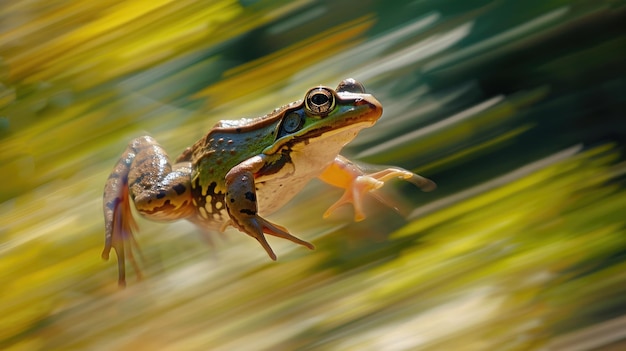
516 110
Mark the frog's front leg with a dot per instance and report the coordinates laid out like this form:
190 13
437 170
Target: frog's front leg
242 207
159 190
344 174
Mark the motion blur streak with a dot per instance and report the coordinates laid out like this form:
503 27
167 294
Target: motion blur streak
515 108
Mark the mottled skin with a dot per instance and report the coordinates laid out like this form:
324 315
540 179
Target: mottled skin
244 170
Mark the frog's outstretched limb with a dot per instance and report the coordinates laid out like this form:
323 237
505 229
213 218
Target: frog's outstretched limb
119 221
344 174
158 189
242 206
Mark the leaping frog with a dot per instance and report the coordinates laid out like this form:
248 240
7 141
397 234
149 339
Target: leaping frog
243 170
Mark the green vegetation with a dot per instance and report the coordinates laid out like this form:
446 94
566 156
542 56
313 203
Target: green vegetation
516 110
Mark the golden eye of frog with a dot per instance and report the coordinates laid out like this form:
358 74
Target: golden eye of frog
243 170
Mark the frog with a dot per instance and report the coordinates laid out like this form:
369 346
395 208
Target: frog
244 170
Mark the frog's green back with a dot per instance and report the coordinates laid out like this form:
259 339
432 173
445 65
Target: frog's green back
225 148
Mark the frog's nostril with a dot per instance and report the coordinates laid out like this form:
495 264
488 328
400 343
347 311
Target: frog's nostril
373 104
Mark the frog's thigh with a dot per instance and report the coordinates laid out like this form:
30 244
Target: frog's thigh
158 189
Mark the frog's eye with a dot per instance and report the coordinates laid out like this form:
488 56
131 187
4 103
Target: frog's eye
292 122
320 101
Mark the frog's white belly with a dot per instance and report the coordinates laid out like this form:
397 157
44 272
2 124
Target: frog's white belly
308 160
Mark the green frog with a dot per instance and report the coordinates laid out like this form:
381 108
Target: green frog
243 170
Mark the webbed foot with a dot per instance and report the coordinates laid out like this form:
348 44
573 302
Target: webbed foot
256 226
345 174
119 234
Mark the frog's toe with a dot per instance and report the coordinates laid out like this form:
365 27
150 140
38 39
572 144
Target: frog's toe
423 183
348 197
282 232
257 227
261 239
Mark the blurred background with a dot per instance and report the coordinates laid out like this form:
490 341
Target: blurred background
515 108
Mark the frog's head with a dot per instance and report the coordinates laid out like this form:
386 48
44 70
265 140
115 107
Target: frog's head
327 115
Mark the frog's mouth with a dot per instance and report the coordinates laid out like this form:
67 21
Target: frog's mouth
325 135
363 114
354 123
329 132
329 139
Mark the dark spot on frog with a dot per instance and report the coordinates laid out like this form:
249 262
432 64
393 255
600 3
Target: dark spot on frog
196 182
276 165
248 212
250 196
232 199
161 194
179 188
113 203
139 180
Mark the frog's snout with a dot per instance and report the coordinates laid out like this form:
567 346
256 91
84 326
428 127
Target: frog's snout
375 108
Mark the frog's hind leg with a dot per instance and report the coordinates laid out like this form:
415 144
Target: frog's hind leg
158 189
119 221
120 225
